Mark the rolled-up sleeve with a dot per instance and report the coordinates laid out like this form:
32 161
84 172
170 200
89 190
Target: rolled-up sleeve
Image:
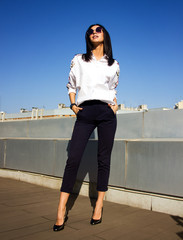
71 85
114 81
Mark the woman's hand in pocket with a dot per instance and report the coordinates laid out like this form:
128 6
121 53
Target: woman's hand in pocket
113 107
76 109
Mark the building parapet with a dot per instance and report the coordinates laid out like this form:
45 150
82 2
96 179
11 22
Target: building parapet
63 111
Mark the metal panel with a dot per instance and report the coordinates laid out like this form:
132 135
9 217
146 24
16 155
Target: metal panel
152 166
163 124
61 153
152 124
129 126
51 128
14 129
2 150
30 155
45 128
155 167
49 157
117 175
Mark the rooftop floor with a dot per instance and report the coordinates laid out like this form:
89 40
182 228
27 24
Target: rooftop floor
28 212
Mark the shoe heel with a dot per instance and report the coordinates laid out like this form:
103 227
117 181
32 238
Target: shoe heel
96 221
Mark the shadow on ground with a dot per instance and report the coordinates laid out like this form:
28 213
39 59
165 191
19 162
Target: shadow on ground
179 221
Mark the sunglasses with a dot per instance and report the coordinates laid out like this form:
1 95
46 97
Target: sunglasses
91 31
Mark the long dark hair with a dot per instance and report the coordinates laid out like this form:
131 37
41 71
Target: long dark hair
107 46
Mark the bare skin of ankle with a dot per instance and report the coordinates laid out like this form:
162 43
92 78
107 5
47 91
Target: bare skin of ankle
99 204
62 208
60 216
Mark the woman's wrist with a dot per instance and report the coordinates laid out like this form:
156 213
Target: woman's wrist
72 104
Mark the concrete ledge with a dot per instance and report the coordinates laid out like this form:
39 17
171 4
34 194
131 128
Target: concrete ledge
154 202
38 179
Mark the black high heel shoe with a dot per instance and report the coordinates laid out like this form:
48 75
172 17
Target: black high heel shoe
96 221
57 228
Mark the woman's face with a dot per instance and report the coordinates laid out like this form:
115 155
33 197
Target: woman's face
96 37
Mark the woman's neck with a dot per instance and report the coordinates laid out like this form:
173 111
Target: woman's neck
98 51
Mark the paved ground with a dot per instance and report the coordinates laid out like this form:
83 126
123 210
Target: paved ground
28 212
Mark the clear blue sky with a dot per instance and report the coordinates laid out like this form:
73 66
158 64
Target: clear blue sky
38 39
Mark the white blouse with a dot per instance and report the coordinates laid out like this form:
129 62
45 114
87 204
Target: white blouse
93 80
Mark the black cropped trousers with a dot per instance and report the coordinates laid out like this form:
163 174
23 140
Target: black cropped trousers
98 114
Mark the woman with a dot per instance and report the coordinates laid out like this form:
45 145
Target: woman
94 76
